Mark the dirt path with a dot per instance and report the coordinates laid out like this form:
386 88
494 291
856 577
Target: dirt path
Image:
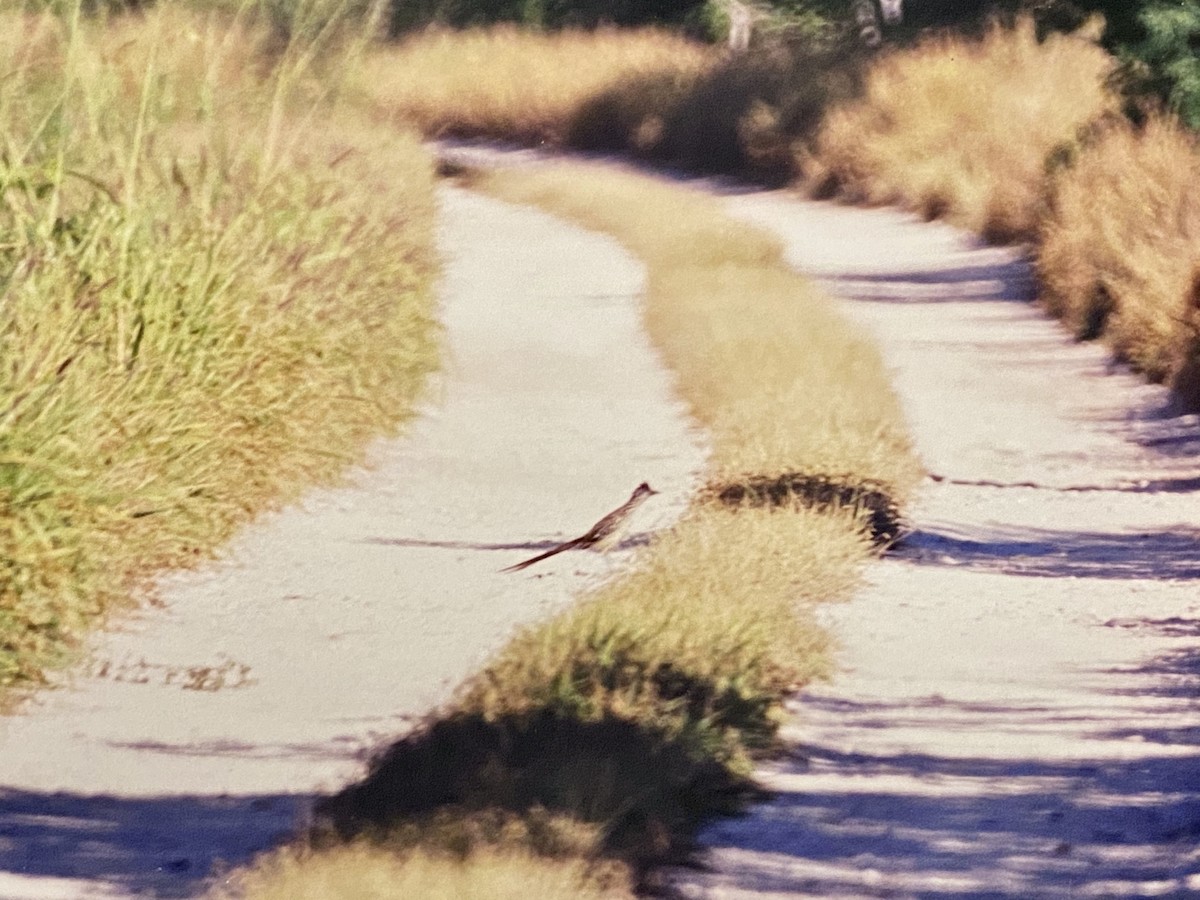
1017 715
202 729
1018 712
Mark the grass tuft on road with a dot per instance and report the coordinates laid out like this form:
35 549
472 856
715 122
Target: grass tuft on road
602 737
366 872
214 289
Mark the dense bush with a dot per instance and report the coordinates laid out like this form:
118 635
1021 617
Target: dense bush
1119 254
206 303
961 128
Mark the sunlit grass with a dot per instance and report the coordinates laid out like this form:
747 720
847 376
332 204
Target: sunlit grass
362 872
214 291
1119 249
961 128
508 83
646 92
718 609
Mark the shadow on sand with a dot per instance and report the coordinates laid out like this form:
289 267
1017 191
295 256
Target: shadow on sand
1164 554
914 825
145 847
1009 280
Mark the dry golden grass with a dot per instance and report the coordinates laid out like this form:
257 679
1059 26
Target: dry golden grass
779 381
520 85
721 600
1119 253
361 872
209 302
961 128
645 92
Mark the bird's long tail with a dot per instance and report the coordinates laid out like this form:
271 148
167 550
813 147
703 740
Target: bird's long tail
569 545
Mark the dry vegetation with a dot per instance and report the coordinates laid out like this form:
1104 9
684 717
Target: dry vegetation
1119 249
518 85
609 731
644 92
212 297
1016 138
961 128
973 129
364 872
209 302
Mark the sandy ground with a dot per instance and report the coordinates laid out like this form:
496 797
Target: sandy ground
1018 709
201 730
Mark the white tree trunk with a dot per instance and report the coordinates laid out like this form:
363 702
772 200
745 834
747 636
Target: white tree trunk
741 25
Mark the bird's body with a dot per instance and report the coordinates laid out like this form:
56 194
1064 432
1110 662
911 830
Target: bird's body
601 536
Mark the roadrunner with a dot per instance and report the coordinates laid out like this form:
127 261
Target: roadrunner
603 534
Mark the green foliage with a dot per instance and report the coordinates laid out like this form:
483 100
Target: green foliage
1168 59
205 304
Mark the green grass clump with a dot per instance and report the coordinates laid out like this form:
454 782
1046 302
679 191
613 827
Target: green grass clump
208 302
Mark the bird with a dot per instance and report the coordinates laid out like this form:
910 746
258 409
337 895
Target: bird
602 535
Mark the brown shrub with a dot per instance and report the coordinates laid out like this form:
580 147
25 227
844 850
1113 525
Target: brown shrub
961 127
1120 249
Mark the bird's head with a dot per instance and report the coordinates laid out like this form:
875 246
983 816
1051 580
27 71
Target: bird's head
642 490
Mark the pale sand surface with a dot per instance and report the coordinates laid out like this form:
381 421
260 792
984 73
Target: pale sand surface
366 604
1017 712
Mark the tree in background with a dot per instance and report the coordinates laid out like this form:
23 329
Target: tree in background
1166 62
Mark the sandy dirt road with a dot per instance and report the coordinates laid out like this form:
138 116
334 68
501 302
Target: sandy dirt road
201 730
1017 713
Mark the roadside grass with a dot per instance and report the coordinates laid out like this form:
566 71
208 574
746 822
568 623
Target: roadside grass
645 92
961 128
214 287
535 82
603 736
1020 139
365 872
1119 248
